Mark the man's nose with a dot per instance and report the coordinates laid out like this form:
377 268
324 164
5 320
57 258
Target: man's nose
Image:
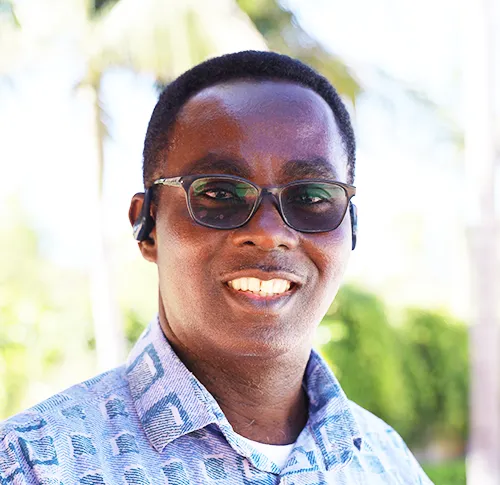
266 229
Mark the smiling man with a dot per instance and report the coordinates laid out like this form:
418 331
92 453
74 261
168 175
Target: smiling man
248 215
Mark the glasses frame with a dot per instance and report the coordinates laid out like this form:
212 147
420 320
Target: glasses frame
185 182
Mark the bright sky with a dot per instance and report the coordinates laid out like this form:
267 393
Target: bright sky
409 173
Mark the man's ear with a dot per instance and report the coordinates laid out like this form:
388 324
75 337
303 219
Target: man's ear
141 219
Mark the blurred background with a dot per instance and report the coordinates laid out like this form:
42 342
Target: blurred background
78 82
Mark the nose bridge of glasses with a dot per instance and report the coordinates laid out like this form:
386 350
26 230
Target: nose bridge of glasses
274 194
265 194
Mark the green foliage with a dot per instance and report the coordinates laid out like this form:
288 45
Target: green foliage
284 34
366 354
44 319
412 373
134 326
452 473
437 369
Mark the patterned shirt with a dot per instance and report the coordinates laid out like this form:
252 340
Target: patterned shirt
152 422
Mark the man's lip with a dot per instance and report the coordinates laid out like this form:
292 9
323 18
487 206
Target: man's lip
264 276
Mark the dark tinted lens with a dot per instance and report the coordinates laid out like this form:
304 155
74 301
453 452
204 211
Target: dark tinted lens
222 203
314 206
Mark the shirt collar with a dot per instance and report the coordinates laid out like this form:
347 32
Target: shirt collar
171 402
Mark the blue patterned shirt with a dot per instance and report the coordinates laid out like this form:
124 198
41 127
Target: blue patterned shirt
152 422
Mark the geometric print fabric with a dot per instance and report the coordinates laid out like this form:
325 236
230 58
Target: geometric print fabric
151 422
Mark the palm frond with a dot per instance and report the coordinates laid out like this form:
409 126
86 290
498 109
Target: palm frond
166 37
283 33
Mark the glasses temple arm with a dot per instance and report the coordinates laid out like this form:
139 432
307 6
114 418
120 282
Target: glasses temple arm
172 182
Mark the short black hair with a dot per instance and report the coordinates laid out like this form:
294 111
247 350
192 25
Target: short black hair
240 65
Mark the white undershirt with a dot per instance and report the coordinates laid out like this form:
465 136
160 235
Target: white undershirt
277 453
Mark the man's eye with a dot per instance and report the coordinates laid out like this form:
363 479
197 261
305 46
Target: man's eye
218 194
310 198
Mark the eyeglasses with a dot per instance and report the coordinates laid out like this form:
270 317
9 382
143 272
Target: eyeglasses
228 202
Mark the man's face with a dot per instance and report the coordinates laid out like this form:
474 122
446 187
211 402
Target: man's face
271 133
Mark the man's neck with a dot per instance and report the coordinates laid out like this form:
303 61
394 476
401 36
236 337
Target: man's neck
263 399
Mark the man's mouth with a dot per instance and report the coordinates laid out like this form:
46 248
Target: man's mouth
261 288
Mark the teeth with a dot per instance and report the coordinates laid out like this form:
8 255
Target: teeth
267 286
262 288
254 284
279 286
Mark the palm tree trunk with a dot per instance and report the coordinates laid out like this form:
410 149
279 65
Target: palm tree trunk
108 326
483 464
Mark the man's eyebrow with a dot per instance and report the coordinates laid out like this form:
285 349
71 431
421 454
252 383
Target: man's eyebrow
218 164
317 167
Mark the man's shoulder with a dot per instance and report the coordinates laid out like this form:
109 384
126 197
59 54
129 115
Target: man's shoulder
376 432
369 422
73 422
382 440
59 410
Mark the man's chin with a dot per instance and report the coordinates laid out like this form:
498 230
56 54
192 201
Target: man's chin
265 338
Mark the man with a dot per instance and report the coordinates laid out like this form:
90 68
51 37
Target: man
248 169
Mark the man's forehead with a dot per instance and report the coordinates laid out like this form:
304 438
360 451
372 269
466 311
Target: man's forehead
239 103
253 96
224 127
